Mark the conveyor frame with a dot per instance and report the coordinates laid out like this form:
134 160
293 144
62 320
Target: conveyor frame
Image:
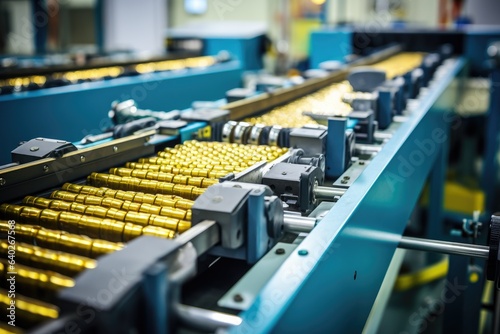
346 256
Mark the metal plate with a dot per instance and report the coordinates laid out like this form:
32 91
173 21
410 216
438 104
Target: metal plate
249 285
351 174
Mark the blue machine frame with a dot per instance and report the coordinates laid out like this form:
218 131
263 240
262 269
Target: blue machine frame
345 258
72 112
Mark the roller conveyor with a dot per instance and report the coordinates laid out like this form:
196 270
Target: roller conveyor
121 205
329 101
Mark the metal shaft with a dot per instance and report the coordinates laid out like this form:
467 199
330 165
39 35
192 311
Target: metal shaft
295 223
452 248
203 319
328 193
367 149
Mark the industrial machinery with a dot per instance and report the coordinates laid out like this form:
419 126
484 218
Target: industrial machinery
78 97
247 217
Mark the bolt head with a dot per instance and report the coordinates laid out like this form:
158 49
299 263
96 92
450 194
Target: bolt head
217 199
34 148
280 251
238 298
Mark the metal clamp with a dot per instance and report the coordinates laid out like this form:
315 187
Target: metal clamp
228 131
255 134
274 135
241 132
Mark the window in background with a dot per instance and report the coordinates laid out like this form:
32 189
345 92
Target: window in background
195 7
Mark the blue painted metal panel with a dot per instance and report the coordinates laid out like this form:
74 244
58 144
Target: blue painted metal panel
329 45
476 45
72 112
156 309
335 150
248 51
350 249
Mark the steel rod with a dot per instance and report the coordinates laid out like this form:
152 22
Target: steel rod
294 223
328 193
452 248
367 149
205 319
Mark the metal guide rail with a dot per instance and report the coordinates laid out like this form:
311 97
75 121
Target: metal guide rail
154 217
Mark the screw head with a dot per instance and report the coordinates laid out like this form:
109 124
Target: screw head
238 298
347 177
115 149
343 181
45 168
2 181
361 162
283 173
217 199
82 158
279 251
34 148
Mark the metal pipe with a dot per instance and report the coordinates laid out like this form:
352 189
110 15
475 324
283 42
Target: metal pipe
328 193
452 248
382 135
292 213
297 224
205 319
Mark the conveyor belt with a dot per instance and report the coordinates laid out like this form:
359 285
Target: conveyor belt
32 82
328 101
152 196
58 237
